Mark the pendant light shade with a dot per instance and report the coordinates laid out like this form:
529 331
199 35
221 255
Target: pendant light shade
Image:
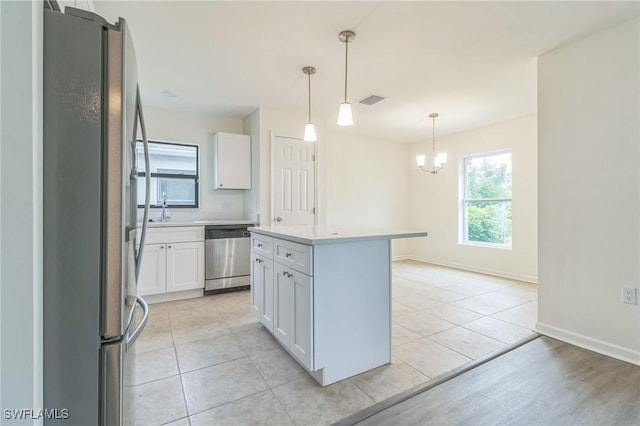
345 117
309 128
310 133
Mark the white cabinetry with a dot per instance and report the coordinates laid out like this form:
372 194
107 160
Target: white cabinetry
293 321
282 293
173 261
262 289
231 161
327 304
153 271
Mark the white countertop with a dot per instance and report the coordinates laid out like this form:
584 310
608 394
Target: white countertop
323 234
170 223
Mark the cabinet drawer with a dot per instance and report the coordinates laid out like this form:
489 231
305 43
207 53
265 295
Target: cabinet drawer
294 255
262 245
177 234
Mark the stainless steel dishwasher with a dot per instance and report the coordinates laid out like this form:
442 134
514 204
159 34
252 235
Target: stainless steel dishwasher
228 258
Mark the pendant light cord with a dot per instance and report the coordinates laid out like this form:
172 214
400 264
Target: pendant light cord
309 74
346 66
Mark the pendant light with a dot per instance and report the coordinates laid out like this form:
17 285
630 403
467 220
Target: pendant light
345 117
439 160
309 128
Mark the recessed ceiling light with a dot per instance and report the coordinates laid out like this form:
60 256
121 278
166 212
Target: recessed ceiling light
168 94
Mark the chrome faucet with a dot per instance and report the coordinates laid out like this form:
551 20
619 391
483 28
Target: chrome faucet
163 216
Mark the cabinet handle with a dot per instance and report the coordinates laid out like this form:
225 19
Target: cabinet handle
169 246
259 245
161 247
259 260
287 254
287 274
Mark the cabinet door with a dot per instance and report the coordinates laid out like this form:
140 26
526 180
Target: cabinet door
301 343
283 303
232 161
185 266
153 271
257 284
267 307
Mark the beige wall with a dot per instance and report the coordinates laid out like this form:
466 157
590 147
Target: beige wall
589 196
367 183
435 201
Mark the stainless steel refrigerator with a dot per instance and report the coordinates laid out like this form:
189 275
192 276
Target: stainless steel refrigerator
92 249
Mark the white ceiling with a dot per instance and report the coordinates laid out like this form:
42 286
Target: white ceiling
473 62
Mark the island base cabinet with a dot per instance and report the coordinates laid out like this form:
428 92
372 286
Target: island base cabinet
257 284
332 296
302 319
293 314
262 302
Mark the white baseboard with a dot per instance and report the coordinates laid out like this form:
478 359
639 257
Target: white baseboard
586 342
400 257
170 297
526 278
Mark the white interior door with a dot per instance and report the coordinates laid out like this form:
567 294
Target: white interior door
292 181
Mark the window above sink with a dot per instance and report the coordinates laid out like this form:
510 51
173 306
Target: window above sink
174 171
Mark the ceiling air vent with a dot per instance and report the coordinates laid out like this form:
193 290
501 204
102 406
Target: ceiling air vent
371 99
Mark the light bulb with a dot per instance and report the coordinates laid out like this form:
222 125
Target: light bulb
440 159
420 160
345 118
310 133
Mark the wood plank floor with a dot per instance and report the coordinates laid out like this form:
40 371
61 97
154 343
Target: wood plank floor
544 382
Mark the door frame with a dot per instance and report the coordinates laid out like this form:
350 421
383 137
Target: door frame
272 136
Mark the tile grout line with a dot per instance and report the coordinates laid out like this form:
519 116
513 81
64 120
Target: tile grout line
175 351
271 387
246 355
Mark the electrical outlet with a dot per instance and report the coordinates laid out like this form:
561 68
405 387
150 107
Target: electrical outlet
629 295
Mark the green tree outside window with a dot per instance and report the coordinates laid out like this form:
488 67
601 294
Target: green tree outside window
487 201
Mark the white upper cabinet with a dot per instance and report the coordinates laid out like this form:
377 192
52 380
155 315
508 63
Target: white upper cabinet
231 161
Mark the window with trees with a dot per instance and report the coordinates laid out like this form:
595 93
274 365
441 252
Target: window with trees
173 171
486 204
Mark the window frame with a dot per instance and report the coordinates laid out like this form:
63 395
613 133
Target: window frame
464 224
196 177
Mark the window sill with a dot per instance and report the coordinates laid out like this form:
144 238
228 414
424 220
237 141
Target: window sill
485 245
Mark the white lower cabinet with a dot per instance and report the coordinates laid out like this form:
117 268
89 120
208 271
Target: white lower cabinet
301 335
262 290
327 303
153 271
282 298
170 264
185 266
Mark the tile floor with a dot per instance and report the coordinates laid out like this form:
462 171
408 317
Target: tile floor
207 361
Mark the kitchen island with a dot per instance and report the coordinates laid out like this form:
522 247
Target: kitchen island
324 292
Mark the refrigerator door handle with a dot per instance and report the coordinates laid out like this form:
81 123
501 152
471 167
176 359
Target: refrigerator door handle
131 337
147 195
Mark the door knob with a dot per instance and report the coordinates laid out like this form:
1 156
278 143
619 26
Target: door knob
278 219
